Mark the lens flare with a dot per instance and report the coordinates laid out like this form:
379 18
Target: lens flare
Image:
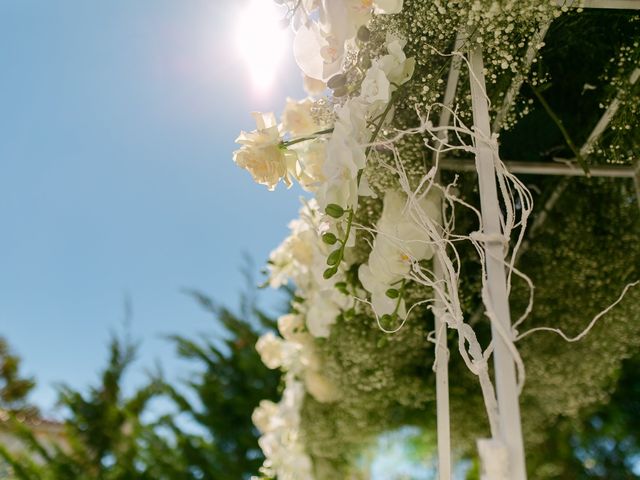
261 41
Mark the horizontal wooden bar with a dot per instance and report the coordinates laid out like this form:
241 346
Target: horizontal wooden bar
604 4
570 169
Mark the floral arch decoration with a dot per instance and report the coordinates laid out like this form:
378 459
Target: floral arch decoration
393 263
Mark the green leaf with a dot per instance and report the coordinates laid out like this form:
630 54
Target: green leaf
330 272
334 257
342 287
392 293
334 210
329 238
385 320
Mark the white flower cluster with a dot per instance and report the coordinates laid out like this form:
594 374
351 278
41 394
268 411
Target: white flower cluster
302 258
347 147
320 45
279 425
328 158
269 157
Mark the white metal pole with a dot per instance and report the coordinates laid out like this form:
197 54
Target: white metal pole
510 427
442 388
442 352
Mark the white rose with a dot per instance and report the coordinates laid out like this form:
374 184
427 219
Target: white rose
311 158
291 326
309 358
271 350
264 417
260 153
270 444
291 402
322 313
320 387
298 467
280 266
301 246
267 165
292 258
297 119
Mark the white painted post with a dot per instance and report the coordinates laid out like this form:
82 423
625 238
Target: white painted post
442 389
443 421
510 427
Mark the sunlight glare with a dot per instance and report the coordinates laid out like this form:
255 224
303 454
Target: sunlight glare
261 41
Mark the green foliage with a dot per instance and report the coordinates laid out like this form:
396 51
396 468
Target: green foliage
603 443
14 388
226 387
211 436
103 433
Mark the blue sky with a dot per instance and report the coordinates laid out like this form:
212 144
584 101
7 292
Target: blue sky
117 123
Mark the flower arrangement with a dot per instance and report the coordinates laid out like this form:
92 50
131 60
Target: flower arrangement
367 143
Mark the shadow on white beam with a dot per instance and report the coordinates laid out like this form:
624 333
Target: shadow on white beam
613 4
544 168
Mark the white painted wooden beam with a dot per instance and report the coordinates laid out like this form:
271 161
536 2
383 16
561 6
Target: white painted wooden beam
601 4
442 352
510 428
452 83
607 116
570 169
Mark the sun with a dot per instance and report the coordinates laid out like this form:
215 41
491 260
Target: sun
261 41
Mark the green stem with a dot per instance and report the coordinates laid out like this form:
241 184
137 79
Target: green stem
400 296
288 143
383 116
374 135
563 130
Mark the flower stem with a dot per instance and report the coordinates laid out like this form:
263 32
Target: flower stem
288 143
343 242
374 135
400 297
